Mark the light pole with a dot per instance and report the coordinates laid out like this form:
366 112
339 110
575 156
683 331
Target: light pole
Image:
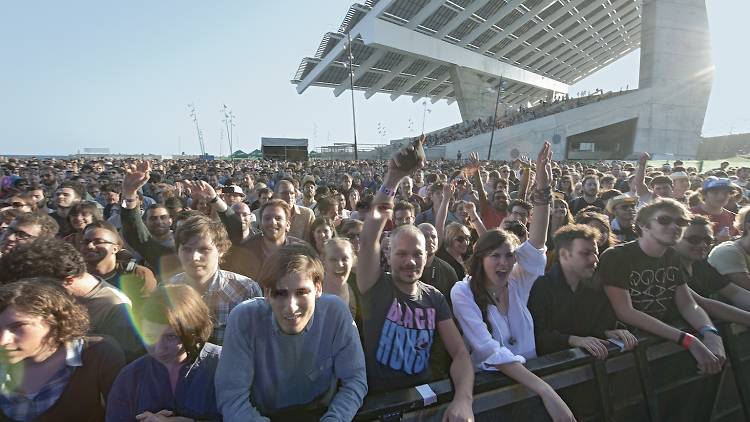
229 125
494 117
351 86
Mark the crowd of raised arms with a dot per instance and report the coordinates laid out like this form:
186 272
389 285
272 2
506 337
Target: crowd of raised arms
182 290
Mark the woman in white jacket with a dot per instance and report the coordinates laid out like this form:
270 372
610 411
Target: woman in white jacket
490 303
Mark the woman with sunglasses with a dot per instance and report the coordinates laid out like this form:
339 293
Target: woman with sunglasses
490 304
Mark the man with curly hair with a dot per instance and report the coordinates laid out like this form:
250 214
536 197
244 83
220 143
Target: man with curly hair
109 309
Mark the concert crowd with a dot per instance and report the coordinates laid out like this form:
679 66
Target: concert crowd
182 290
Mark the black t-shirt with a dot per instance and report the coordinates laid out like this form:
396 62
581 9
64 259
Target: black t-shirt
398 333
705 280
440 275
650 281
580 203
457 267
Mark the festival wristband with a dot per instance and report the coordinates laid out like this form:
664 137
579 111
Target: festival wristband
389 192
708 328
686 340
214 199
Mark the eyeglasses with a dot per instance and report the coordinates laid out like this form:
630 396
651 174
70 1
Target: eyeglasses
461 239
20 234
666 220
696 240
18 204
96 242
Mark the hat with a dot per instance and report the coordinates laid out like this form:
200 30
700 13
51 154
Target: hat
713 182
308 179
619 200
233 189
679 175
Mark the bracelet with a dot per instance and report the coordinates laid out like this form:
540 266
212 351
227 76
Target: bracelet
686 340
708 328
389 192
214 199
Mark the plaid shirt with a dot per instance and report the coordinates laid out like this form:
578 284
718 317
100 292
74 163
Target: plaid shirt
225 291
22 407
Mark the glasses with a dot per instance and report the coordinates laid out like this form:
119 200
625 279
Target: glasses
666 220
20 234
697 240
461 239
18 204
96 242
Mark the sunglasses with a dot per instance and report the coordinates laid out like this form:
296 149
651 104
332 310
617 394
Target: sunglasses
666 220
696 240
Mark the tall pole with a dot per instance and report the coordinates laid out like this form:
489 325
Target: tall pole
351 86
494 118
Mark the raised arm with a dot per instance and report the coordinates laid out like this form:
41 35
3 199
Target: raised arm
472 170
640 175
474 218
403 163
541 197
203 190
442 210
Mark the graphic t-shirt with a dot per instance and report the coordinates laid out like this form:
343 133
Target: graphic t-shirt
399 330
650 281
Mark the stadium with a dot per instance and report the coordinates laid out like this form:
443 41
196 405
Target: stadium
514 61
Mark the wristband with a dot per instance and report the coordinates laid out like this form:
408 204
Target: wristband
389 192
214 199
708 328
686 340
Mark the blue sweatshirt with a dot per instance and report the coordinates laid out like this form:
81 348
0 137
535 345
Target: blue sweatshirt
263 371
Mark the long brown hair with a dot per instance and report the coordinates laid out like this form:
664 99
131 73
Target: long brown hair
487 242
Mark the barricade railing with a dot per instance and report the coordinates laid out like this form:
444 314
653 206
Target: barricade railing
658 381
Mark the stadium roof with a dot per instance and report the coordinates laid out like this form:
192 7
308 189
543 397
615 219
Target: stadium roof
406 47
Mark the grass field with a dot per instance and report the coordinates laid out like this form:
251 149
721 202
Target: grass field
739 161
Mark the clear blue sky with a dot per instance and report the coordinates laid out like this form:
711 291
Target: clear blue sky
81 74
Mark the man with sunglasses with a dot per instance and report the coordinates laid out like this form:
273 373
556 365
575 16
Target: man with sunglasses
647 288
622 207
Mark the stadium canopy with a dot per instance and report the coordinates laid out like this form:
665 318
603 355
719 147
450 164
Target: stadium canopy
444 49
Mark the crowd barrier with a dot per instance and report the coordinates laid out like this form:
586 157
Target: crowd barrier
658 381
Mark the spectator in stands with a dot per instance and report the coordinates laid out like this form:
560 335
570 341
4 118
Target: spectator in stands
352 197
681 184
81 215
732 259
232 194
715 193
176 378
590 185
246 217
294 350
300 217
102 249
567 309
392 303
108 308
51 370
520 211
490 305
628 273
704 280
308 193
406 193
24 229
201 244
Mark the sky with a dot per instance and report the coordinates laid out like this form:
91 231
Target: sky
119 75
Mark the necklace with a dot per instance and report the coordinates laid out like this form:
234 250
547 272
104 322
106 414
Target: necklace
494 295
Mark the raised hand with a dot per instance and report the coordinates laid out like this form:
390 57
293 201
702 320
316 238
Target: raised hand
136 175
643 158
407 160
199 189
473 165
543 176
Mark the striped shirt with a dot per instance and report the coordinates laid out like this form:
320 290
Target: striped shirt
225 291
27 407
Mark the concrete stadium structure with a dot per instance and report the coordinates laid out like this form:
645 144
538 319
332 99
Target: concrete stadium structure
530 51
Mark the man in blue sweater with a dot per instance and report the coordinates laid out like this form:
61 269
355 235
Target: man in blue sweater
294 352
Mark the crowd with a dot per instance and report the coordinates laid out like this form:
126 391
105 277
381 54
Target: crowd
183 290
509 118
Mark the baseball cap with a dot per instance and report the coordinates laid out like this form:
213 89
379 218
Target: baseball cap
232 189
713 182
308 179
679 175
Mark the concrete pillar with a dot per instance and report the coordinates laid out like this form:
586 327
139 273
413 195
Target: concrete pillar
475 97
676 67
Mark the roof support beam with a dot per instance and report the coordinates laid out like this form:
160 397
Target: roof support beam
424 13
432 85
490 22
485 48
540 27
414 80
458 19
386 79
359 71
441 94
395 37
